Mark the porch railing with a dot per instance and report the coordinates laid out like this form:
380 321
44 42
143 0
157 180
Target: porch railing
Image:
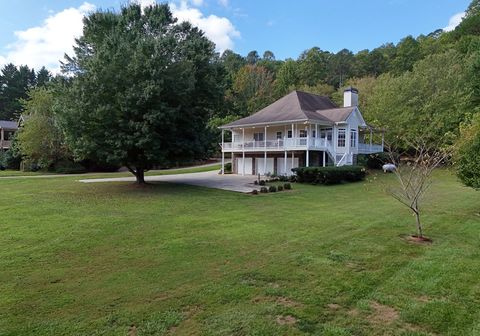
280 144
5 144
369 148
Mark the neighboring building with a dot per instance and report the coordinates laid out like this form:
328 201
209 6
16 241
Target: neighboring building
7 130
299 130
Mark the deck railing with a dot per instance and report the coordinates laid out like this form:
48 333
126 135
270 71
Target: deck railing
369 148
4 144
280 144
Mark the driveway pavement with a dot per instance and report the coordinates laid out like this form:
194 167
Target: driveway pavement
210 179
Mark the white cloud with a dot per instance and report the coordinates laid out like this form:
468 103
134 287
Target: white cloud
218 29
224 3
46 44
145 3
454 21
197 2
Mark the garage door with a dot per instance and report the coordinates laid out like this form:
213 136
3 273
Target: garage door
248 166
281 166
260 166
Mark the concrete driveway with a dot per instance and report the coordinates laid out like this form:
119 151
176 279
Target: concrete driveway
210 179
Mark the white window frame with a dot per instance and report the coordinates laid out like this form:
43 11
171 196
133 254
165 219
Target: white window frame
260 136
353 138
279 135
341 137
302 133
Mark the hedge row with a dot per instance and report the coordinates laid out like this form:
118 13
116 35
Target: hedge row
329 175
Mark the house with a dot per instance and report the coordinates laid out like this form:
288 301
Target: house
7 130
299 130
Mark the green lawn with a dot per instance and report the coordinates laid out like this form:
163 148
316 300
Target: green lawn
197 169
115 259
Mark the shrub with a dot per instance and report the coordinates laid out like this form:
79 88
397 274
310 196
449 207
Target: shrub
3 160
69 167
283 178
10 159
255 192
255 182
279 188
227 168
373 161
261 182
287 186
329 175
272 189
263 190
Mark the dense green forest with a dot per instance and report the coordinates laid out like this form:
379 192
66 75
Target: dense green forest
422 86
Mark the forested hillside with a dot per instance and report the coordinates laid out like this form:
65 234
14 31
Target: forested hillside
427 84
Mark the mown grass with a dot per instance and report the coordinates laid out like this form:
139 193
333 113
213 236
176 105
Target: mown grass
197 169
113 259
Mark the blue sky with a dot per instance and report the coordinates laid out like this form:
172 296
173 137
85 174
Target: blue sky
45 28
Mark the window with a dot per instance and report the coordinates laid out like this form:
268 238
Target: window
258 136
8 135
289 134
341 137
279 135
326 133
353 138
314 134
303 133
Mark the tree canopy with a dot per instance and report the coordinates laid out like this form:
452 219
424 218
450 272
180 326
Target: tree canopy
143 86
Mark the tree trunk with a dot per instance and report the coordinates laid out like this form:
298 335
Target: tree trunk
139 174
419 225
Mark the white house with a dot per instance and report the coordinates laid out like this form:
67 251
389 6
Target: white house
299 130
7 130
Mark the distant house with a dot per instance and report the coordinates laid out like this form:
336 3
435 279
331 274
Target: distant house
7 130
300 129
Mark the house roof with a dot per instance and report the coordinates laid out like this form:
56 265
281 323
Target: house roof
6 124
296 106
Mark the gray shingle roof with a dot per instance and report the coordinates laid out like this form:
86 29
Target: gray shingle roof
296 106
8 124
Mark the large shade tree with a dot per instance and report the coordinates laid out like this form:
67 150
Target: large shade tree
143 87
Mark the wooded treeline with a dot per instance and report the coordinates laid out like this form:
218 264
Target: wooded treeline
428 84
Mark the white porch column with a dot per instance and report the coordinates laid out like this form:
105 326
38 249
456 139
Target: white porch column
324 156
285 163
243 152
308 152
231 154
265 153
293 134
334 140
223 152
